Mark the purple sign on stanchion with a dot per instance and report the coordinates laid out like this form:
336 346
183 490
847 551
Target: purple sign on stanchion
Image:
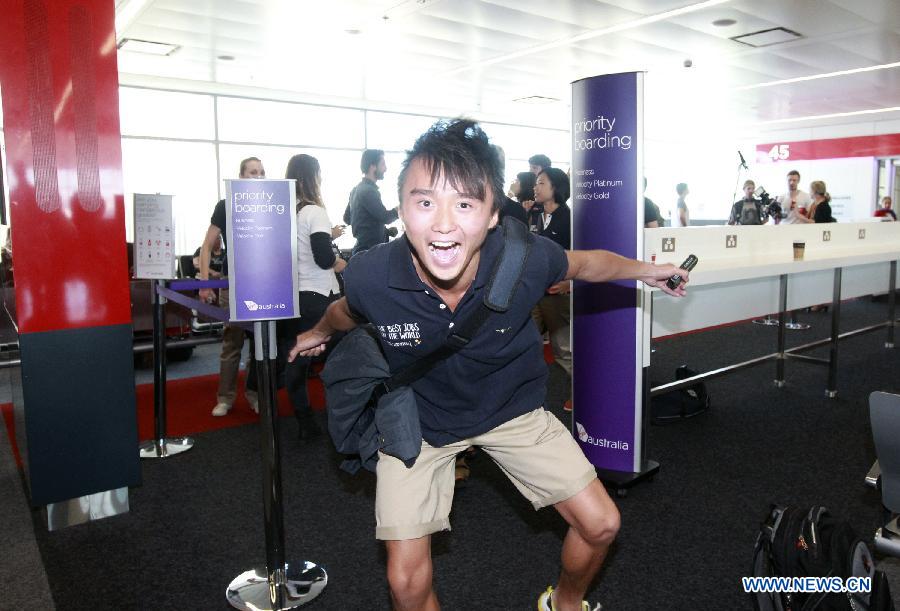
262 249
607 322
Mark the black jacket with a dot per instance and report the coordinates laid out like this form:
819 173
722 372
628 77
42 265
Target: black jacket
559 229
357 427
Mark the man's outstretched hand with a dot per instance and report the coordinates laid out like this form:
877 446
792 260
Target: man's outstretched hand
659 274
309 343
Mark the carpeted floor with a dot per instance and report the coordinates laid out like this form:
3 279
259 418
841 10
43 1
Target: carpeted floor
686 539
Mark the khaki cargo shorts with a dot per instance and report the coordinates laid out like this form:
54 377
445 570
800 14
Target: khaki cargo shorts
537 453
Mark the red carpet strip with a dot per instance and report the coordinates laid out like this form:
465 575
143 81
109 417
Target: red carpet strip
189 404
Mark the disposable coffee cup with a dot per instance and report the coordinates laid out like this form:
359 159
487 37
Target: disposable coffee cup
799 247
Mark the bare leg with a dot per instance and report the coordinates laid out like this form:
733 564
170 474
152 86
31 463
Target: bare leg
409 571
593 523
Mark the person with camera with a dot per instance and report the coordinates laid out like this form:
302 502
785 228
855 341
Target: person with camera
750 210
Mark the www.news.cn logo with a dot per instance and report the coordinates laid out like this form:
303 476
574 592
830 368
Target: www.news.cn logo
807 585
255 307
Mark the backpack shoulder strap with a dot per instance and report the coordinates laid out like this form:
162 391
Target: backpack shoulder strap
510 266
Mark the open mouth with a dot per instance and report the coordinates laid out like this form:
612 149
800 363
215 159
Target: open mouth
444 252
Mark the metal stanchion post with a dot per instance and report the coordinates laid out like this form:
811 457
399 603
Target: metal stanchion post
831 390
892 306
161 446
279 585
782 306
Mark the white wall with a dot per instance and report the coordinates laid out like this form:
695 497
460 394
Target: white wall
850 182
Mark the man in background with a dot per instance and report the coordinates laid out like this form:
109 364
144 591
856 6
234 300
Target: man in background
508 206
748 211
538 163
795 202
651 211
682 216
232 336
365 212
885 211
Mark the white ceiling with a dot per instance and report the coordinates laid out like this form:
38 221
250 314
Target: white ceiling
477 56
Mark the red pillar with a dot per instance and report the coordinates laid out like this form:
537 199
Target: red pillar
59 87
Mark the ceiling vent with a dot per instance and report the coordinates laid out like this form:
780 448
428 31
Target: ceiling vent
767 38
148 47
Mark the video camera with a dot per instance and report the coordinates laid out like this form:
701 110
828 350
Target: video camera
770 206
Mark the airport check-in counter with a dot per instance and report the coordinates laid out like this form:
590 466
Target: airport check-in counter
747 272
740 269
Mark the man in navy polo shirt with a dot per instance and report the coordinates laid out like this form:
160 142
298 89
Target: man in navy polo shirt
414 290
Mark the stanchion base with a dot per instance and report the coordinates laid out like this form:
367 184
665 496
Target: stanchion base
830 394
796 326
302 583
164 448
768 322
621 481
779 383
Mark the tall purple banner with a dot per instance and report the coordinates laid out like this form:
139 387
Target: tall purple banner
607 124
262 249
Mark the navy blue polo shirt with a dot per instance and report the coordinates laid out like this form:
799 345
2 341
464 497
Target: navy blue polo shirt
498 376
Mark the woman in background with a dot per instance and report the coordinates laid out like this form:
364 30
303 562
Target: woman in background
820 209
552 314
316 280
522 189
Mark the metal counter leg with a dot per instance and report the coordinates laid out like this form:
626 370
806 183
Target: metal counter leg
782 306
892 306
831 389
279 585
161 446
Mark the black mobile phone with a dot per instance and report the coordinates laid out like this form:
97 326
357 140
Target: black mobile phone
689 264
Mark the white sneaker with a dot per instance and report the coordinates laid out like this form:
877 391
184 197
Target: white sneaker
545 602
253 400
221 409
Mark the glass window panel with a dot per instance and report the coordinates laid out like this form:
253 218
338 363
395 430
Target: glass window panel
244 120
522 142
395 132
340 172
186 170
147 112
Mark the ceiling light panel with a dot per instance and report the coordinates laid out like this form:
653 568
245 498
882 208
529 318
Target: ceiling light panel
895 66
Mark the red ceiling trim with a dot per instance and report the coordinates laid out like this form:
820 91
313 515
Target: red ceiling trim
887 145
